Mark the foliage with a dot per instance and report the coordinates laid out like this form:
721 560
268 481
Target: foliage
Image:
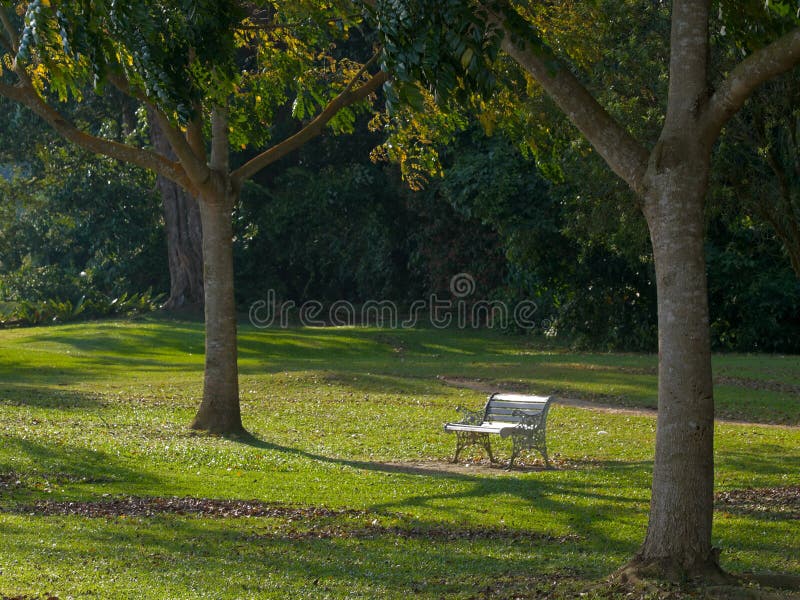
450 55
352 232
186 57
576 244
755 295
154 44
75 225
758 164
605 294
594 294
328 234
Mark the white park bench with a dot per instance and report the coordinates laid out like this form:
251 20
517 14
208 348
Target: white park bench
518 416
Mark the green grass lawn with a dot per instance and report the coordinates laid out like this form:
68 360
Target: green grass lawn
346 466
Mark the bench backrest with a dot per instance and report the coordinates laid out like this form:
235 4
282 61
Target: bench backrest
502 407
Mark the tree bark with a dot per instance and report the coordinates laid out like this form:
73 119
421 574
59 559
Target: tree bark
679 531
219 411
183 231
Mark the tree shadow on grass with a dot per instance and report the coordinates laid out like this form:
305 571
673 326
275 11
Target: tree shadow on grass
62 464
549 493
22 394
190 552
764 459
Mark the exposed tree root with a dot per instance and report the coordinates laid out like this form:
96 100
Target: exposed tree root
708 571
225 428
667 578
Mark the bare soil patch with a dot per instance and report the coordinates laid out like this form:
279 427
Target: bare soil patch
758 384
482 467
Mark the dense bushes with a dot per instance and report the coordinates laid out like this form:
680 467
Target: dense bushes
754 294
29 312
334 233
79 236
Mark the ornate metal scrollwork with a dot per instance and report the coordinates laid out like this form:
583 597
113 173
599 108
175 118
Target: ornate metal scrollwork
470 417
529 434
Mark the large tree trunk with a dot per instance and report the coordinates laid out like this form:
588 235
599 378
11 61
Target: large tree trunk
678 540
184 245
219 411
184 234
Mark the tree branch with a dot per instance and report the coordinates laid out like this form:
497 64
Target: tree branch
196 170
623 153
146 159
219 139
764 64
194 134
688 63
315 127
13 38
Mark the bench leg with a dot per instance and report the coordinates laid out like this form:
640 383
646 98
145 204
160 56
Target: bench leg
514 453
543 450
487 445
517 443
469 438
460 443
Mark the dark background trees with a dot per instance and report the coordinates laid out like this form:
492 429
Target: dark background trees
331 224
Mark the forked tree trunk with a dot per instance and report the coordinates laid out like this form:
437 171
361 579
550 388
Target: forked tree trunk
678 540
672 182
219 411
184 233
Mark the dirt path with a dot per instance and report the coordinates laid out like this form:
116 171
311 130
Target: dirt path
489 387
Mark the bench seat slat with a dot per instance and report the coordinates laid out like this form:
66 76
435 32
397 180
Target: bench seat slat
510 409
485 427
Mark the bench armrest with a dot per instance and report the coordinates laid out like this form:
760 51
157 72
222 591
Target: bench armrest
470 417
527 420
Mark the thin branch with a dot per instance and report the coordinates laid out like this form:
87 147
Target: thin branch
13 38
197 170
315 127
364 68
194 134
146 159
764 64
623 153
